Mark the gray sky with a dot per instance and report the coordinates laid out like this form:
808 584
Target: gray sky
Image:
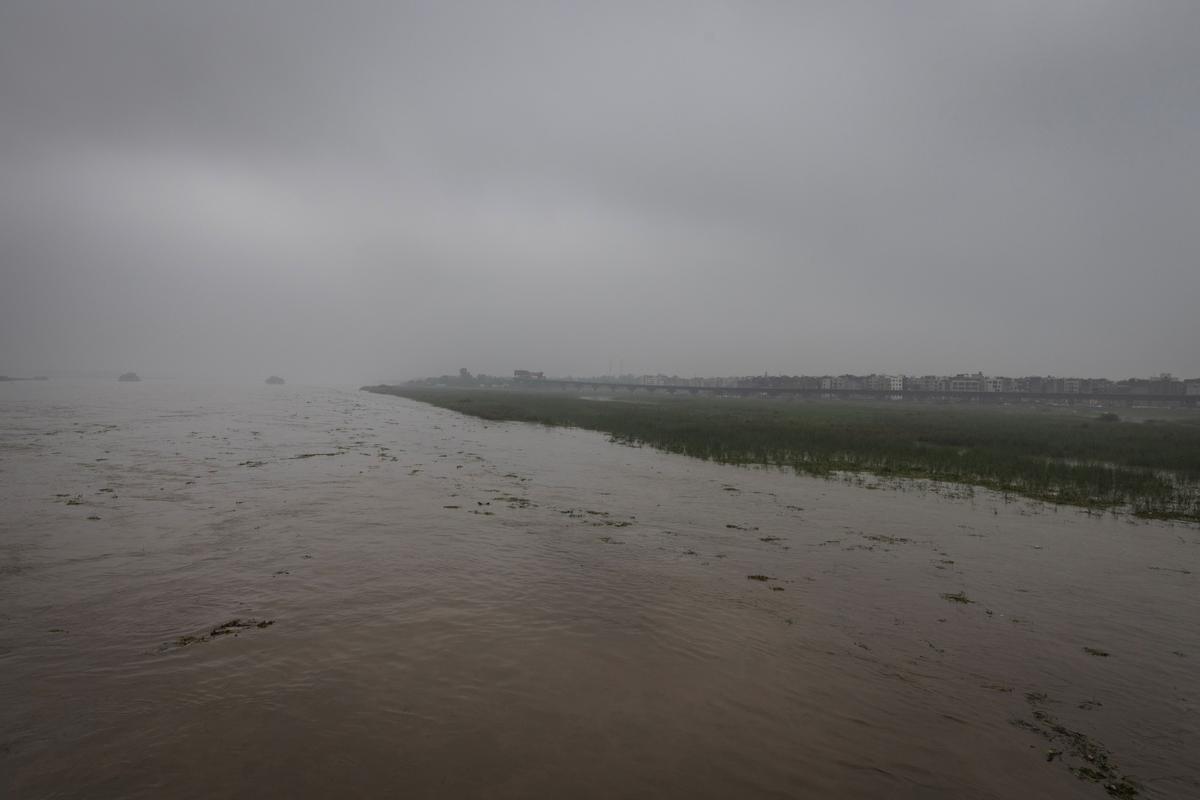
350 191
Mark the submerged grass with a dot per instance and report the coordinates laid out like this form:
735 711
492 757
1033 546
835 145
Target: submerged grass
1151 468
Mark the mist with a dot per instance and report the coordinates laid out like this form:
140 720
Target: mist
352 192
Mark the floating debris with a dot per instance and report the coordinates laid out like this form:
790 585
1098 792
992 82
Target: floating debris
957 597
514 501
1086 758
233 626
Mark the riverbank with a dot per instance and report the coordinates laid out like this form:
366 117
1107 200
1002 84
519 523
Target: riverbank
1081 458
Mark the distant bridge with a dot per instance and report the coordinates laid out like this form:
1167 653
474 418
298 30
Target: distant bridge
845 394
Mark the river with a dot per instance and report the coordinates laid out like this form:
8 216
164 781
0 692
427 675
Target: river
430 605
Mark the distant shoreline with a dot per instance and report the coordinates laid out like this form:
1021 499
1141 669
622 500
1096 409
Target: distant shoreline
1151 470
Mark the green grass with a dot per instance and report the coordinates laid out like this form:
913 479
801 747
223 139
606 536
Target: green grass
1151 468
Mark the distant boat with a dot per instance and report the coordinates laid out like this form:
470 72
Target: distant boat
275 380
129 377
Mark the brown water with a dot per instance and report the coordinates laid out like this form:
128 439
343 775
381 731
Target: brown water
597 636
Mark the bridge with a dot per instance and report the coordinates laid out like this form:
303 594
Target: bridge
862 394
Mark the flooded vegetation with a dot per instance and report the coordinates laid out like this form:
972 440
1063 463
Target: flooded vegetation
1150 468
404 590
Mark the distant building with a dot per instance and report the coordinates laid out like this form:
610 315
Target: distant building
526 375
925 383
885 383
967 383
847 383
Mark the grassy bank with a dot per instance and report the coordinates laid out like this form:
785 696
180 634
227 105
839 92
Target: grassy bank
1074 457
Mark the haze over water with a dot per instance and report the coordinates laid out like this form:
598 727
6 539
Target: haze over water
470 609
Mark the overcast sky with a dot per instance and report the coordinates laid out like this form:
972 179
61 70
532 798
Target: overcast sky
353 191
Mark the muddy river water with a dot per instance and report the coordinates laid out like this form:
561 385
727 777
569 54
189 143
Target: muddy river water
297 592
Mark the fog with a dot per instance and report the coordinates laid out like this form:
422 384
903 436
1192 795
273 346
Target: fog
357 191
